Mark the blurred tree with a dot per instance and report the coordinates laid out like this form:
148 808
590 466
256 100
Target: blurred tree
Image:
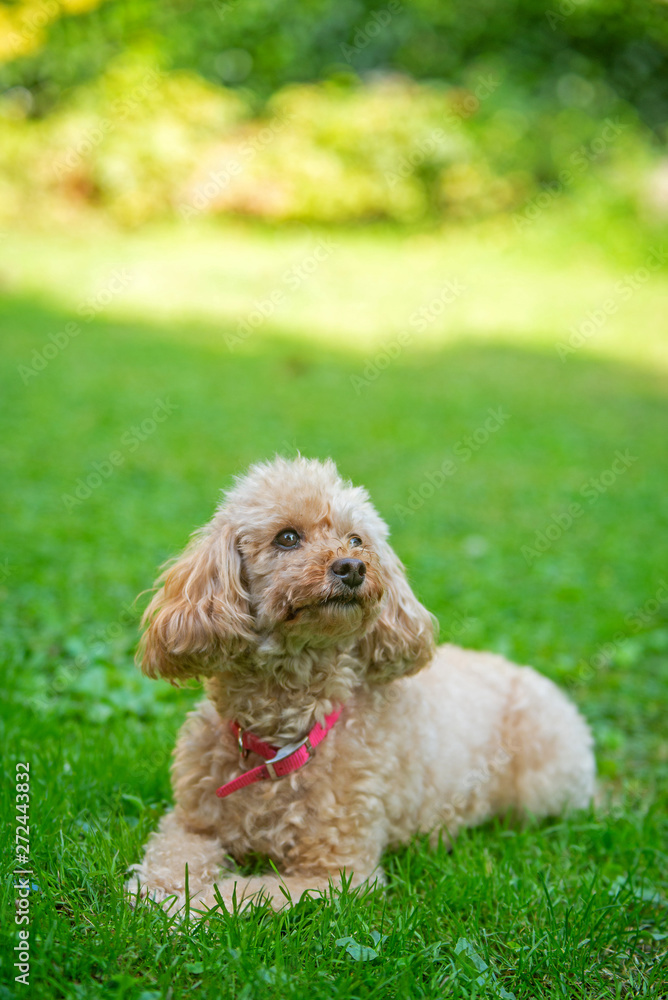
557 52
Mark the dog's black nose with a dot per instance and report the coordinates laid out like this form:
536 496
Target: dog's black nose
349 571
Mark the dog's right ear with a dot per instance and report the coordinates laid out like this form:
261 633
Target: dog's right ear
201 612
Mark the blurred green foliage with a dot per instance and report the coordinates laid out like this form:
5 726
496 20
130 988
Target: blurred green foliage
323 112
141 144
264 44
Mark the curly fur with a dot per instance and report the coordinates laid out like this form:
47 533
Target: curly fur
468 736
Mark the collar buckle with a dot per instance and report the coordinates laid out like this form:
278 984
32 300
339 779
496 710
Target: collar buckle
287 751
295 755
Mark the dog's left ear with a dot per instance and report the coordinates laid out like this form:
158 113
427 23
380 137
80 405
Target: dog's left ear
402 640
200 615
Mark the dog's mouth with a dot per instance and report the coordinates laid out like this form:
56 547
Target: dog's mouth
340 601
345 602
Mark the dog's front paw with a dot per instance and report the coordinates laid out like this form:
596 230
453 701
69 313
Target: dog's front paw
176 902
136 890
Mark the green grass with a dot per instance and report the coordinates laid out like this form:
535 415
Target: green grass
573 908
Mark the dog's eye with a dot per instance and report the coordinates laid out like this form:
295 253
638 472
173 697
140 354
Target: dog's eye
287 539
355 541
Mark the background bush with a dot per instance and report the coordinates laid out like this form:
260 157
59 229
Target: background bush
327 112
138 143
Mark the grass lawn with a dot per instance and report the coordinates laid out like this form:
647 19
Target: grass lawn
126 407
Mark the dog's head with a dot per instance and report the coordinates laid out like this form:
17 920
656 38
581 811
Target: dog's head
296 558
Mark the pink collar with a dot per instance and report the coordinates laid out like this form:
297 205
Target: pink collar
279 761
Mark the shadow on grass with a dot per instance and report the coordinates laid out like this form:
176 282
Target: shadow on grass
474 453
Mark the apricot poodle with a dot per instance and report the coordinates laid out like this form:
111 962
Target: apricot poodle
332 728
